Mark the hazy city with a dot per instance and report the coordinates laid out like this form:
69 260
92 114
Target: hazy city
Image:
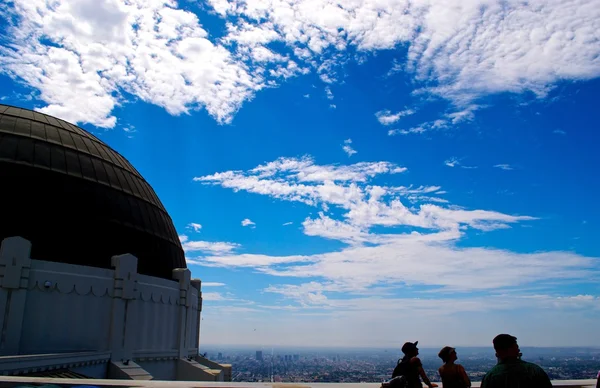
375 365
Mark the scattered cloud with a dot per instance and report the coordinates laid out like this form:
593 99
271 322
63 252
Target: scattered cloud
248 222
85 57
195 226
386 117
332 106
206 247
428 258
559 132
348 148
454 162
212 284
307 95
288 223
422 128
504 166
329 93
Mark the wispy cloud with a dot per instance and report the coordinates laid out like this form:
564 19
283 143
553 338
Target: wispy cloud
329 93
386 117
430 258
504 166
455 162
248 222
195 226
348 148
559 132
206 247
288 223
422 128
212 284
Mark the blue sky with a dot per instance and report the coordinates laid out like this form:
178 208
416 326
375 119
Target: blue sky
351 173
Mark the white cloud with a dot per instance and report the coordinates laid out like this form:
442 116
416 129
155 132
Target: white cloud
559 132
426 260
153 51
504 166
195 226
455 162
422 128
347 188
429 258
348 148
206 247
212 284
288 223
332 106
386 117
329 93
248 222
85 56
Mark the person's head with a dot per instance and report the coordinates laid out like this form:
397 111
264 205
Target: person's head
410 349
448 354
506 346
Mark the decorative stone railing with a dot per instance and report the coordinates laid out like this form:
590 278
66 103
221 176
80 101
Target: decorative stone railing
10 382
48 307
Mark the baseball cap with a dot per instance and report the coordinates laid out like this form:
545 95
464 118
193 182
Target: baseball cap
409 346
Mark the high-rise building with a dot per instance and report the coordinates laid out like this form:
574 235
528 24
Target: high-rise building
259 355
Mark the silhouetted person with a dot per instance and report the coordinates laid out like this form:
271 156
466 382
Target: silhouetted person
598 380
511 371
453 375
411 368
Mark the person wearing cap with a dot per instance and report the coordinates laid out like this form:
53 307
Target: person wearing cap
511 371
453 375
410 368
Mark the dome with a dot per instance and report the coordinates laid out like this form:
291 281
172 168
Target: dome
77 200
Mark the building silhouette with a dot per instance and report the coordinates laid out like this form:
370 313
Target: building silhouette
94 281
259 355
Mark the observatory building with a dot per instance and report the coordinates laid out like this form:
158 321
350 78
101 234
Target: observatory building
93 279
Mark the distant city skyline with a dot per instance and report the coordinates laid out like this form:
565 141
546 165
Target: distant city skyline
347 173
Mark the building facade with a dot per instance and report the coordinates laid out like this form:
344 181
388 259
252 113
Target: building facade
92 275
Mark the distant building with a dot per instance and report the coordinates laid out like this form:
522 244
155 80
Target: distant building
259 355
94 279
296 357
220 356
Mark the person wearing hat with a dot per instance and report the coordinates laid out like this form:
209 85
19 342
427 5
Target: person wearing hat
453 375
409 370
511 371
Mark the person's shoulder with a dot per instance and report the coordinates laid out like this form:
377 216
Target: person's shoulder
531 365
498 368
535 369
415 360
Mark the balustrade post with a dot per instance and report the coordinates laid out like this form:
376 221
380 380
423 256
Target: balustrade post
123 318
15 264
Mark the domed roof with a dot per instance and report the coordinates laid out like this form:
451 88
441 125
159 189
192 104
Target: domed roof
77 200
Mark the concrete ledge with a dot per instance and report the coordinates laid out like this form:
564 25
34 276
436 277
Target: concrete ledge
131 371
15 381
226 368
190 370
12 365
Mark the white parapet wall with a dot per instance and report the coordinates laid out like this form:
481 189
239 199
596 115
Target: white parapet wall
57 308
